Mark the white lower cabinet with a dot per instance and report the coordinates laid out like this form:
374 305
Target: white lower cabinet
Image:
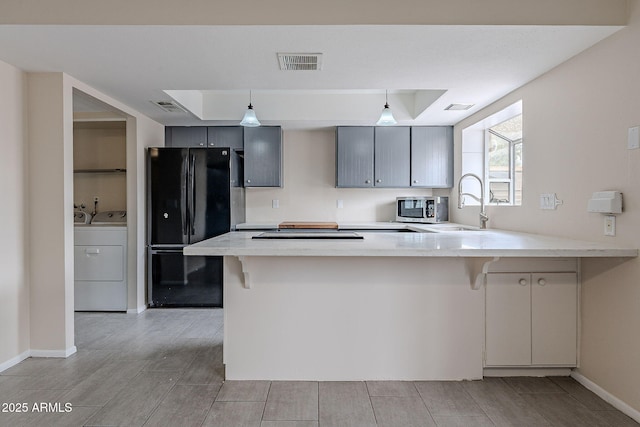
100 270
531 319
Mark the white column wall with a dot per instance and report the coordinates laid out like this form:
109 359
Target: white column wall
14 277
50 192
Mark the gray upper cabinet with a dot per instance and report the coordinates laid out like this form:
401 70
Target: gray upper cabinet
261 148
225 136
369 156
263 156
392 156
354 153
177 136
432 156
232 137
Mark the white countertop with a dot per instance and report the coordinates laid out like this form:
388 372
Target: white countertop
424 243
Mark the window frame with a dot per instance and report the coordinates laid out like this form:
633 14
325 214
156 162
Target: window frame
511 179
475 154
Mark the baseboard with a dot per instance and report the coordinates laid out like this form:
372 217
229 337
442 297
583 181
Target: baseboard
526 372
606 396
137 310
37 353
14 360
54 353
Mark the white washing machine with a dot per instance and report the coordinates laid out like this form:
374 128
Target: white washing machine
101 263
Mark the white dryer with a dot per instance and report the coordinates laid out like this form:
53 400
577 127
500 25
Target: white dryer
101 263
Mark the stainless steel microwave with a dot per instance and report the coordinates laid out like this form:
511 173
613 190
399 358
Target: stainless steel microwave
429 210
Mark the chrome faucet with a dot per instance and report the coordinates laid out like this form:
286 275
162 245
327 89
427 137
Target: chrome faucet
483 215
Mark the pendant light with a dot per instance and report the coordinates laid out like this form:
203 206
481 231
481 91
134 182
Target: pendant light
250 119
386 118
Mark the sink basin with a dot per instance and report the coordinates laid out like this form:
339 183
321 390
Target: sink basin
454 228
308 234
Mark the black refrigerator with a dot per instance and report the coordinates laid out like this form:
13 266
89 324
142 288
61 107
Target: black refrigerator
193 194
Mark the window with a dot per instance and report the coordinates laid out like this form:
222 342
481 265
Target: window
503 178
492 149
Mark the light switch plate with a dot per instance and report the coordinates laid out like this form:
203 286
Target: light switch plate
549 201
275 203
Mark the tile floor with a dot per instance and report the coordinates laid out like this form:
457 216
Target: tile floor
164 368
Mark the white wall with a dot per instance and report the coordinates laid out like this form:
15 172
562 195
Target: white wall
576 119
14 281
100 145
309 192
145 133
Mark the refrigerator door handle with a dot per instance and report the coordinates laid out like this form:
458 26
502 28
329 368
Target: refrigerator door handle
192 192
183 201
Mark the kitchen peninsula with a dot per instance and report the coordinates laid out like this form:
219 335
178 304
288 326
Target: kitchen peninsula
395 305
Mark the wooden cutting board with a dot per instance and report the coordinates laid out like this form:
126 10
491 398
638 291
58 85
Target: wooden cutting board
308 225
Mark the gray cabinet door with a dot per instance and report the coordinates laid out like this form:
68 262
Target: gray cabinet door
354 153
178 136
263 156
392 156
432 156
225 136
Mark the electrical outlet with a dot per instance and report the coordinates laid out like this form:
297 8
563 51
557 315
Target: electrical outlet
95 199
609 225
633 141
275 203
339 203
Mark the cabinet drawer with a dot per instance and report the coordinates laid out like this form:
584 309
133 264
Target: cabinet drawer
104 263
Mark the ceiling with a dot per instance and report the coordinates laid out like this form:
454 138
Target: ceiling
211 68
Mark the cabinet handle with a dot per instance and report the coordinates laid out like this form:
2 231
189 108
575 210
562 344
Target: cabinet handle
368 181
522 282
212 144
378 180
542 282
201 144
248 181
415 181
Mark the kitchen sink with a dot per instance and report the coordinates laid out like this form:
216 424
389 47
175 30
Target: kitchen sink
308 234
454 228
383 230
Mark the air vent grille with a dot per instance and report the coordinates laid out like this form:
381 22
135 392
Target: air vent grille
459 107
300 61
169 106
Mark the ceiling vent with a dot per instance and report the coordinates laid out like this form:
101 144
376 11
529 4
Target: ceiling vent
300 61
459 107
169 106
